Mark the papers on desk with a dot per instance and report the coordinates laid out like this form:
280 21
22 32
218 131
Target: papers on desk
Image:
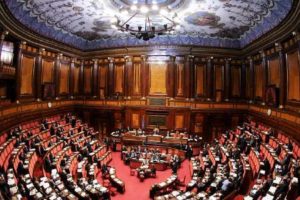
277 180
13 190
248 198
268 197
272 190
162 184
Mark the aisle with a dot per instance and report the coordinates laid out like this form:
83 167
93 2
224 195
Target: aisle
140 190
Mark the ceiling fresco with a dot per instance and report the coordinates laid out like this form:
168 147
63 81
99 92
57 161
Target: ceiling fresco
86 24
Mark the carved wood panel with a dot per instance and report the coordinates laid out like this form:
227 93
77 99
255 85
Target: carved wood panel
158 78
64 79
26 75
47 71
293 68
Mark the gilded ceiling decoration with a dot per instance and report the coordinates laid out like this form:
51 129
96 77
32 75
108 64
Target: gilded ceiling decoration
86 24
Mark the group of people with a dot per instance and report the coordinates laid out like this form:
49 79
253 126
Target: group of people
147 155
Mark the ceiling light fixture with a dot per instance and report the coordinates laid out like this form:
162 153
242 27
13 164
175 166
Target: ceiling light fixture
158 20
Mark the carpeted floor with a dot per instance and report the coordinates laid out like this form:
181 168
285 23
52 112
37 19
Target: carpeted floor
140 190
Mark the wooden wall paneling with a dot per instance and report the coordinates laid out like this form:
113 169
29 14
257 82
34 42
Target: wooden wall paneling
71 82
209 79
200 80
76 78
293 72
180 80
118 118
274 71
128 76
119 78
235 81
199 124
283 77
64 77
179 121
187 66
95 86
259 81
172 66
28 64
88 79
219 82
247 81
56 74
243 79
38 75
265 75
144 76
252 78
81 78
136 79
227 79
110 78
103 79
48 66
189 76
158 77
135 120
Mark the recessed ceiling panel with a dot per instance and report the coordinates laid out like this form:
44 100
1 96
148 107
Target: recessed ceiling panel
86 24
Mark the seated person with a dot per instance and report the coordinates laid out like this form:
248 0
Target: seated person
226 185
153 171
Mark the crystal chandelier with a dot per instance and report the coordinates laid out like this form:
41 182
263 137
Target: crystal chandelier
146 19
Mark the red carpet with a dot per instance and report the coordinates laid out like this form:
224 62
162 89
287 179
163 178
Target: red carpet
140 190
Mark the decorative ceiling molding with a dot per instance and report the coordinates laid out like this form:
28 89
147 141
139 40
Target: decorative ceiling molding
85 25
16 29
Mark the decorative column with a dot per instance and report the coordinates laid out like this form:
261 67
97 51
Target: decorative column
265 75
192 77
71 88
171 77
243 80
251 79
283 75
144 76
21 45
227 76
81 75
57 74
128 77
111 85
38 77
189 77
95 86
209 79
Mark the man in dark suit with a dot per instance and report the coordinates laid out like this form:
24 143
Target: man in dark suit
21 169
47 164
266 165
73 122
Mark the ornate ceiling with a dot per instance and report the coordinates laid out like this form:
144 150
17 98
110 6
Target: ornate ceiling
86 24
